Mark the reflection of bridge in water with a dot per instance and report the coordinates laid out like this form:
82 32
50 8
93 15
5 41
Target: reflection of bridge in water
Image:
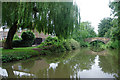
104 52
103 39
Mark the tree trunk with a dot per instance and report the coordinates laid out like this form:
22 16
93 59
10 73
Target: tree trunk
10 35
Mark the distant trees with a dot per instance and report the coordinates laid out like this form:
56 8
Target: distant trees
84 30
56 18
111 27
111 32
115 6
104 26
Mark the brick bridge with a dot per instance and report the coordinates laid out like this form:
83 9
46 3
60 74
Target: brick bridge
103 39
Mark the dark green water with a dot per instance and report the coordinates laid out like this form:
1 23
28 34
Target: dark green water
82 63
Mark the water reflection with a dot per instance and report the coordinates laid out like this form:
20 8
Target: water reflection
97 49
81 63
95 71
53 65
96 46
109 64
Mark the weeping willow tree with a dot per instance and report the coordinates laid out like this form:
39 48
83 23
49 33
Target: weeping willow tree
56 18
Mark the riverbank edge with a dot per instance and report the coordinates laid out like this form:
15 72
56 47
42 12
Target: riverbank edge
17 54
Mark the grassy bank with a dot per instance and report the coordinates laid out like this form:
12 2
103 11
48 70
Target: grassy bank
16 54
50 46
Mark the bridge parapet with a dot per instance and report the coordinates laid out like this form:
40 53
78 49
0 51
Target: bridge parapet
103 39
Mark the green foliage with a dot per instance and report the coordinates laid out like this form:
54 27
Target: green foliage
70 44
22 43
113 31
96 43
109 28
67 45
16 37
28 35
115 6
50 41
18 54
52 45
25 14
84 44
74 44
108 34
113 44
83 31
56 18
97 46
104 26
16 43
27 40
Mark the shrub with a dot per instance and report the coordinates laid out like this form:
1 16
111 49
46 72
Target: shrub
67 45
50 41
74 44
22 43
113 44
16 43
53 45
27 40
26 43
28 35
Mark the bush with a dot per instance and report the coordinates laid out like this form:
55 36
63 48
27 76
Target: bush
53 45
84 44
27 40
49 41
113 44
26 43
16 43
67 45
74 44
28 35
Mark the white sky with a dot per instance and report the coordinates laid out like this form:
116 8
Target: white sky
93 11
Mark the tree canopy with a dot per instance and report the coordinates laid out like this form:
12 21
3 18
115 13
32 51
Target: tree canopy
104 26
56 18
50 17
84 30
115 6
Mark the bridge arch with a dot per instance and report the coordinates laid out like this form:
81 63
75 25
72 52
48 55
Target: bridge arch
102 39
97 40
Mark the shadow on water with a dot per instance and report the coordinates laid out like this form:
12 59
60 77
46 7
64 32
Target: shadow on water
81 63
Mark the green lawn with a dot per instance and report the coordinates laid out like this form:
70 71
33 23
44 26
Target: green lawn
15 54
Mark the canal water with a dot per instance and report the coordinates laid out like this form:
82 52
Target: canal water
81 63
